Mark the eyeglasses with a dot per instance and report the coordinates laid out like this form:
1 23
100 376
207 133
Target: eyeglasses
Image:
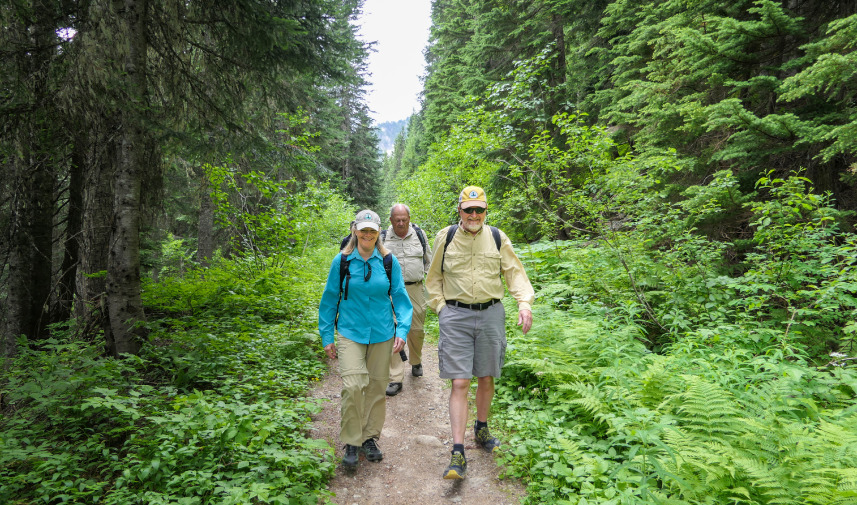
368 231
471 210
368 274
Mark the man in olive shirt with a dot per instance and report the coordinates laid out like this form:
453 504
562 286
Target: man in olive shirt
465 289
402 240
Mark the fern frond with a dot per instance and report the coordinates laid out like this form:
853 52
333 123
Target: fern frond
707 408
573 452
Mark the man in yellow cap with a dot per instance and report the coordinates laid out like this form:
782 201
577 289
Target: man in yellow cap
465 288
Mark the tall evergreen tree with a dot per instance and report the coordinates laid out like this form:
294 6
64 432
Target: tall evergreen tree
145 78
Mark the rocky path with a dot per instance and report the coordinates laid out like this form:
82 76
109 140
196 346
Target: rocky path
416 442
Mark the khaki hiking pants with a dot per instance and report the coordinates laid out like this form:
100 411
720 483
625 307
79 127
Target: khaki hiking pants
365 372
416 335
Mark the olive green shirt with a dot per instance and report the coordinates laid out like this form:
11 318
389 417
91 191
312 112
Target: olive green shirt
472 268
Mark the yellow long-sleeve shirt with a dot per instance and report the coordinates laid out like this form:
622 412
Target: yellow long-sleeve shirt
472 268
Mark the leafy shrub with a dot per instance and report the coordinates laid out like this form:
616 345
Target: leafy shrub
594 417
211 411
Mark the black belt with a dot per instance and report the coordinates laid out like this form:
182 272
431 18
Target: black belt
412 283
472 306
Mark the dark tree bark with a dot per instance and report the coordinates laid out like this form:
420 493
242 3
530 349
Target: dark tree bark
125 306
98 212
32 202
66 291
18 299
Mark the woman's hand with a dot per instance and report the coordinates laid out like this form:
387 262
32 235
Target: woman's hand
330 349
398 345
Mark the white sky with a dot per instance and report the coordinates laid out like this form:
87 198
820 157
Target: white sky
401 29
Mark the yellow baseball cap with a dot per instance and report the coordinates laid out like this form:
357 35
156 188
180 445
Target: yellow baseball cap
472 196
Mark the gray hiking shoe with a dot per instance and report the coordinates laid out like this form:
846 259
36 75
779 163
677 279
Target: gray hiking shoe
349 461
457 467
486 441
370 449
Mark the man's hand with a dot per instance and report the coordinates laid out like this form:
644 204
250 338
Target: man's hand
398 345
330 349
525 320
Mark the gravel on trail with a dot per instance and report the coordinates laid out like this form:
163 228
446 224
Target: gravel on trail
416 442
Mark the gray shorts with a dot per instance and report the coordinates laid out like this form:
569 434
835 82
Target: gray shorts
472 343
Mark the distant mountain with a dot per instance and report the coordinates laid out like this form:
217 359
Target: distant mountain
387 133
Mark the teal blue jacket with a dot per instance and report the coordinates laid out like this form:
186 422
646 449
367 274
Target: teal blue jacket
366 317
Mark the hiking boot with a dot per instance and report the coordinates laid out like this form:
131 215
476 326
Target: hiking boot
457 467
417 370
370 449
394 388
486 441
349 461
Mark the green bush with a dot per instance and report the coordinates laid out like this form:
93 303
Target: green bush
211 411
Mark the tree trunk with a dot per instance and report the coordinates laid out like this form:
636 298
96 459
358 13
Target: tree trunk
125 306
32 203
73 232
41 254
18 299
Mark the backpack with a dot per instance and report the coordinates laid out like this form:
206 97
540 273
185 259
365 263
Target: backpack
451 233
420 235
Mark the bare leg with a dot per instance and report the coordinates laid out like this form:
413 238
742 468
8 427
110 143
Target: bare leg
484 395
458 409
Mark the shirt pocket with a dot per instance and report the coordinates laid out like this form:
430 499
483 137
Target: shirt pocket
489 264
413 249
457 262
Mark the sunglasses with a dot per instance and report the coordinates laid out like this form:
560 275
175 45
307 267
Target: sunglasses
368 274
471 210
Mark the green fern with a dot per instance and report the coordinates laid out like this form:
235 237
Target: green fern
707 408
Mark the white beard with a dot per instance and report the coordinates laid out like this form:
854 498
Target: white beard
471 226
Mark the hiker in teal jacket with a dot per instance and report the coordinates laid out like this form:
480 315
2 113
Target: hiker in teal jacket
369 334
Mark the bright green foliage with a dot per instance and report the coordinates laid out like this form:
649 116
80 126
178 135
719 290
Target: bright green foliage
140 432
830 75
213 410
692 344
747 85
432 192
270 221
475 44
595 418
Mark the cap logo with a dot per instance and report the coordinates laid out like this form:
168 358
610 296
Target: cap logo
368 217
472 194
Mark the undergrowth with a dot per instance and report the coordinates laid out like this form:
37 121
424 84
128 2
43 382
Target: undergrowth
211 411
737 409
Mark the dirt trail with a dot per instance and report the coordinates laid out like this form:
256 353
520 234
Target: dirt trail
416 441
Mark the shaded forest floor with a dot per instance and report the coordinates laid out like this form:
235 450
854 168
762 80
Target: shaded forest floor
416 443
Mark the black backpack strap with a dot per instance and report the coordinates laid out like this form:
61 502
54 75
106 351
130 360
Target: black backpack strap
388 269
345 273
344 242
422 236
383 235
449 234
496 233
